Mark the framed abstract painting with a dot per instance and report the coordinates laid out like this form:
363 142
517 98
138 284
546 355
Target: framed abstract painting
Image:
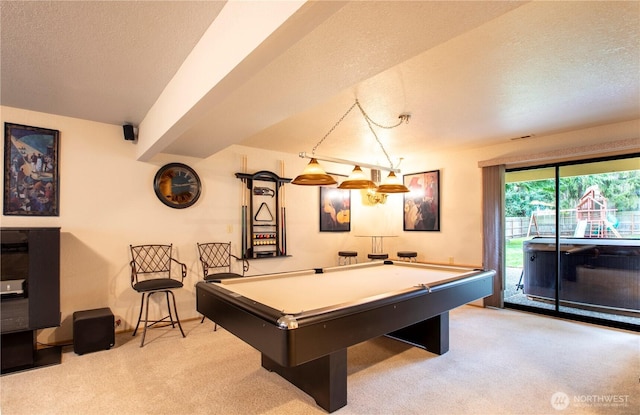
31 171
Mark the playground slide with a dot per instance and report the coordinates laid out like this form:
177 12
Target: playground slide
609 226
581 228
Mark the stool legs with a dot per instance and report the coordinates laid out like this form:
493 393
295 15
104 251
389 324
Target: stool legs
410 259
139 316
344 260
215 325
145 305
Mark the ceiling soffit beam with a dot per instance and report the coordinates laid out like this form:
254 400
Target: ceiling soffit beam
226 56
234 34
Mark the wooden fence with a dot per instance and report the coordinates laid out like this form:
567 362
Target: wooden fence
628 224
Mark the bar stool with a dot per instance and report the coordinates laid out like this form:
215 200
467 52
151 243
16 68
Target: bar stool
377 256
407 256
345 257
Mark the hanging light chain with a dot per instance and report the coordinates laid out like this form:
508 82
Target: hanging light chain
403 118
376 136
370 123
334 127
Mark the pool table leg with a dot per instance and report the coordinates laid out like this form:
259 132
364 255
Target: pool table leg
324 379
431 334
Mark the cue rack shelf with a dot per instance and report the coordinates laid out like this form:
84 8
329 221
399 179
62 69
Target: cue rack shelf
264 232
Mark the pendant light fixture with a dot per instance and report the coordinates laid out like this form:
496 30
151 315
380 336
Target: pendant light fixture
392 184
356 180
314 175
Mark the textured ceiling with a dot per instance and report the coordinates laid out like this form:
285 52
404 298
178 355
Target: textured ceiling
469 73
104 61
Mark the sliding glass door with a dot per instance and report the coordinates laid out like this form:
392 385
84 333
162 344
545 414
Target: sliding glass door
530 200
573 240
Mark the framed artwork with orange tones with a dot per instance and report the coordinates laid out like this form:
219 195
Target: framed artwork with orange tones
422 203
335 209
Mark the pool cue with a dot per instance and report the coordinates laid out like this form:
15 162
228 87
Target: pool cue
244 207
283 210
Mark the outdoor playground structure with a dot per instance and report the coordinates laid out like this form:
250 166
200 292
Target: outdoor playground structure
591 218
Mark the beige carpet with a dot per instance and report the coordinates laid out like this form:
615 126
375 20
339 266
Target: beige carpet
500 362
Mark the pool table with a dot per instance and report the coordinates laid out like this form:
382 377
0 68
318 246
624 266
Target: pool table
303 322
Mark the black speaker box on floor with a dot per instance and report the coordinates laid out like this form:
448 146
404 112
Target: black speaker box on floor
93 330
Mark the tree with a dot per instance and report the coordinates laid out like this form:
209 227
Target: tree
521 198
621 189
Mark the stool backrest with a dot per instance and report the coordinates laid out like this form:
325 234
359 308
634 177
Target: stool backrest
215 258
153 261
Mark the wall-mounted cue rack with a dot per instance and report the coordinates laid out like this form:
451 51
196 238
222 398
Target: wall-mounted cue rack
264 227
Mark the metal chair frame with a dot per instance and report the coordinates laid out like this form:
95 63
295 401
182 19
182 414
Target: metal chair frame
216 257
151 273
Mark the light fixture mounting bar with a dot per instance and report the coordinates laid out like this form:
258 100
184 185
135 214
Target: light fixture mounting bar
347 162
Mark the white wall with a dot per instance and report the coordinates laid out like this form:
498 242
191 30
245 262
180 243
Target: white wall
107 202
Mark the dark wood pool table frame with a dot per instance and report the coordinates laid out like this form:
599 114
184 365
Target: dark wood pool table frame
311 351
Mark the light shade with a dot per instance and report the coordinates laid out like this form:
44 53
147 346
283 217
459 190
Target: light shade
314 175
356 180
392 185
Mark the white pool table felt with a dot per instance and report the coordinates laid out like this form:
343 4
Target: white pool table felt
297 292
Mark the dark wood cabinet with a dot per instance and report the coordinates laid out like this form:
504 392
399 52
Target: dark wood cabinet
30 277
